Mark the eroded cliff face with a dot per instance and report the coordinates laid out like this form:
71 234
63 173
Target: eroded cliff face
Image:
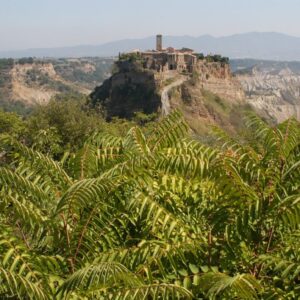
217 78
212 97
37 83
274 91
31 81
25 88
131 89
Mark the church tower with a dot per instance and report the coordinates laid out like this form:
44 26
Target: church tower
159 42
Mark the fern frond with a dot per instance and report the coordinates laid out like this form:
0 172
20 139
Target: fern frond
155 292
21 286
100 275
270 137
31 216
13 182
243 286
291 133
86 191
168 132
286 268
135 141
187 159
151 255
84 162
159 217
45 164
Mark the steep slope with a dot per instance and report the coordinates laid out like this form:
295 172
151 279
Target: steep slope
165 98
30 81
210 96
273 88
129 90
6 65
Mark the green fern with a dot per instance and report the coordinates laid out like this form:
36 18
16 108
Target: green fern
154 215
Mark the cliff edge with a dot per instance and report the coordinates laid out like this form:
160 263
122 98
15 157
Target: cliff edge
130 89
210 95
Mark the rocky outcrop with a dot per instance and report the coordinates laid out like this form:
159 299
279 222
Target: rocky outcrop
212 97
273 90
209 96
31 81
24 83
37 82
217 78
129 90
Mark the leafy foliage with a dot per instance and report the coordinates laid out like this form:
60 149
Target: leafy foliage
154 215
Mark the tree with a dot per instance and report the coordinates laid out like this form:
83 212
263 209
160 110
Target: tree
11 123
68 117
155 216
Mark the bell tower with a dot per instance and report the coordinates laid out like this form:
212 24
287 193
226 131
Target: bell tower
159 42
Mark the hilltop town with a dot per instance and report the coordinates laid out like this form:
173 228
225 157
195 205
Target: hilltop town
161 59
162 79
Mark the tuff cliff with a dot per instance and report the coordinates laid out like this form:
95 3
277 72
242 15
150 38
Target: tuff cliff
273 89
218 78
211 97
208 96
31 81
131 89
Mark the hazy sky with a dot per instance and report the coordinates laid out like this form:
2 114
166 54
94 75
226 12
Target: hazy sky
53 23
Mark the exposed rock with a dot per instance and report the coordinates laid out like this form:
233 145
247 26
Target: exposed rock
209 96
217 78
212 97
165 99
30 81
31 93
37 83
274 91
130 90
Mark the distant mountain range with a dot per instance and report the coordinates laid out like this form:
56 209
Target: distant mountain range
267 45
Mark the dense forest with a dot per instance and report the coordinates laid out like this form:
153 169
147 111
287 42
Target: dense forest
142 209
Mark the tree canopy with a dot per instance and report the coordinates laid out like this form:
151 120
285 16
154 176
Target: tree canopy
153 215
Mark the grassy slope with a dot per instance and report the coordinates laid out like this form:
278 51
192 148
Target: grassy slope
204 109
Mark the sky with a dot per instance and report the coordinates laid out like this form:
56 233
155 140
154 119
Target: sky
55 23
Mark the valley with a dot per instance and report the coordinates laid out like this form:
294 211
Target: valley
149 150
27 82
271 88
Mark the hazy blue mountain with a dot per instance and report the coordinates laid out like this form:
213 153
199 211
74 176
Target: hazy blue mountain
268 45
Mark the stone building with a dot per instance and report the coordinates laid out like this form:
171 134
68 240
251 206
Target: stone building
160 59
